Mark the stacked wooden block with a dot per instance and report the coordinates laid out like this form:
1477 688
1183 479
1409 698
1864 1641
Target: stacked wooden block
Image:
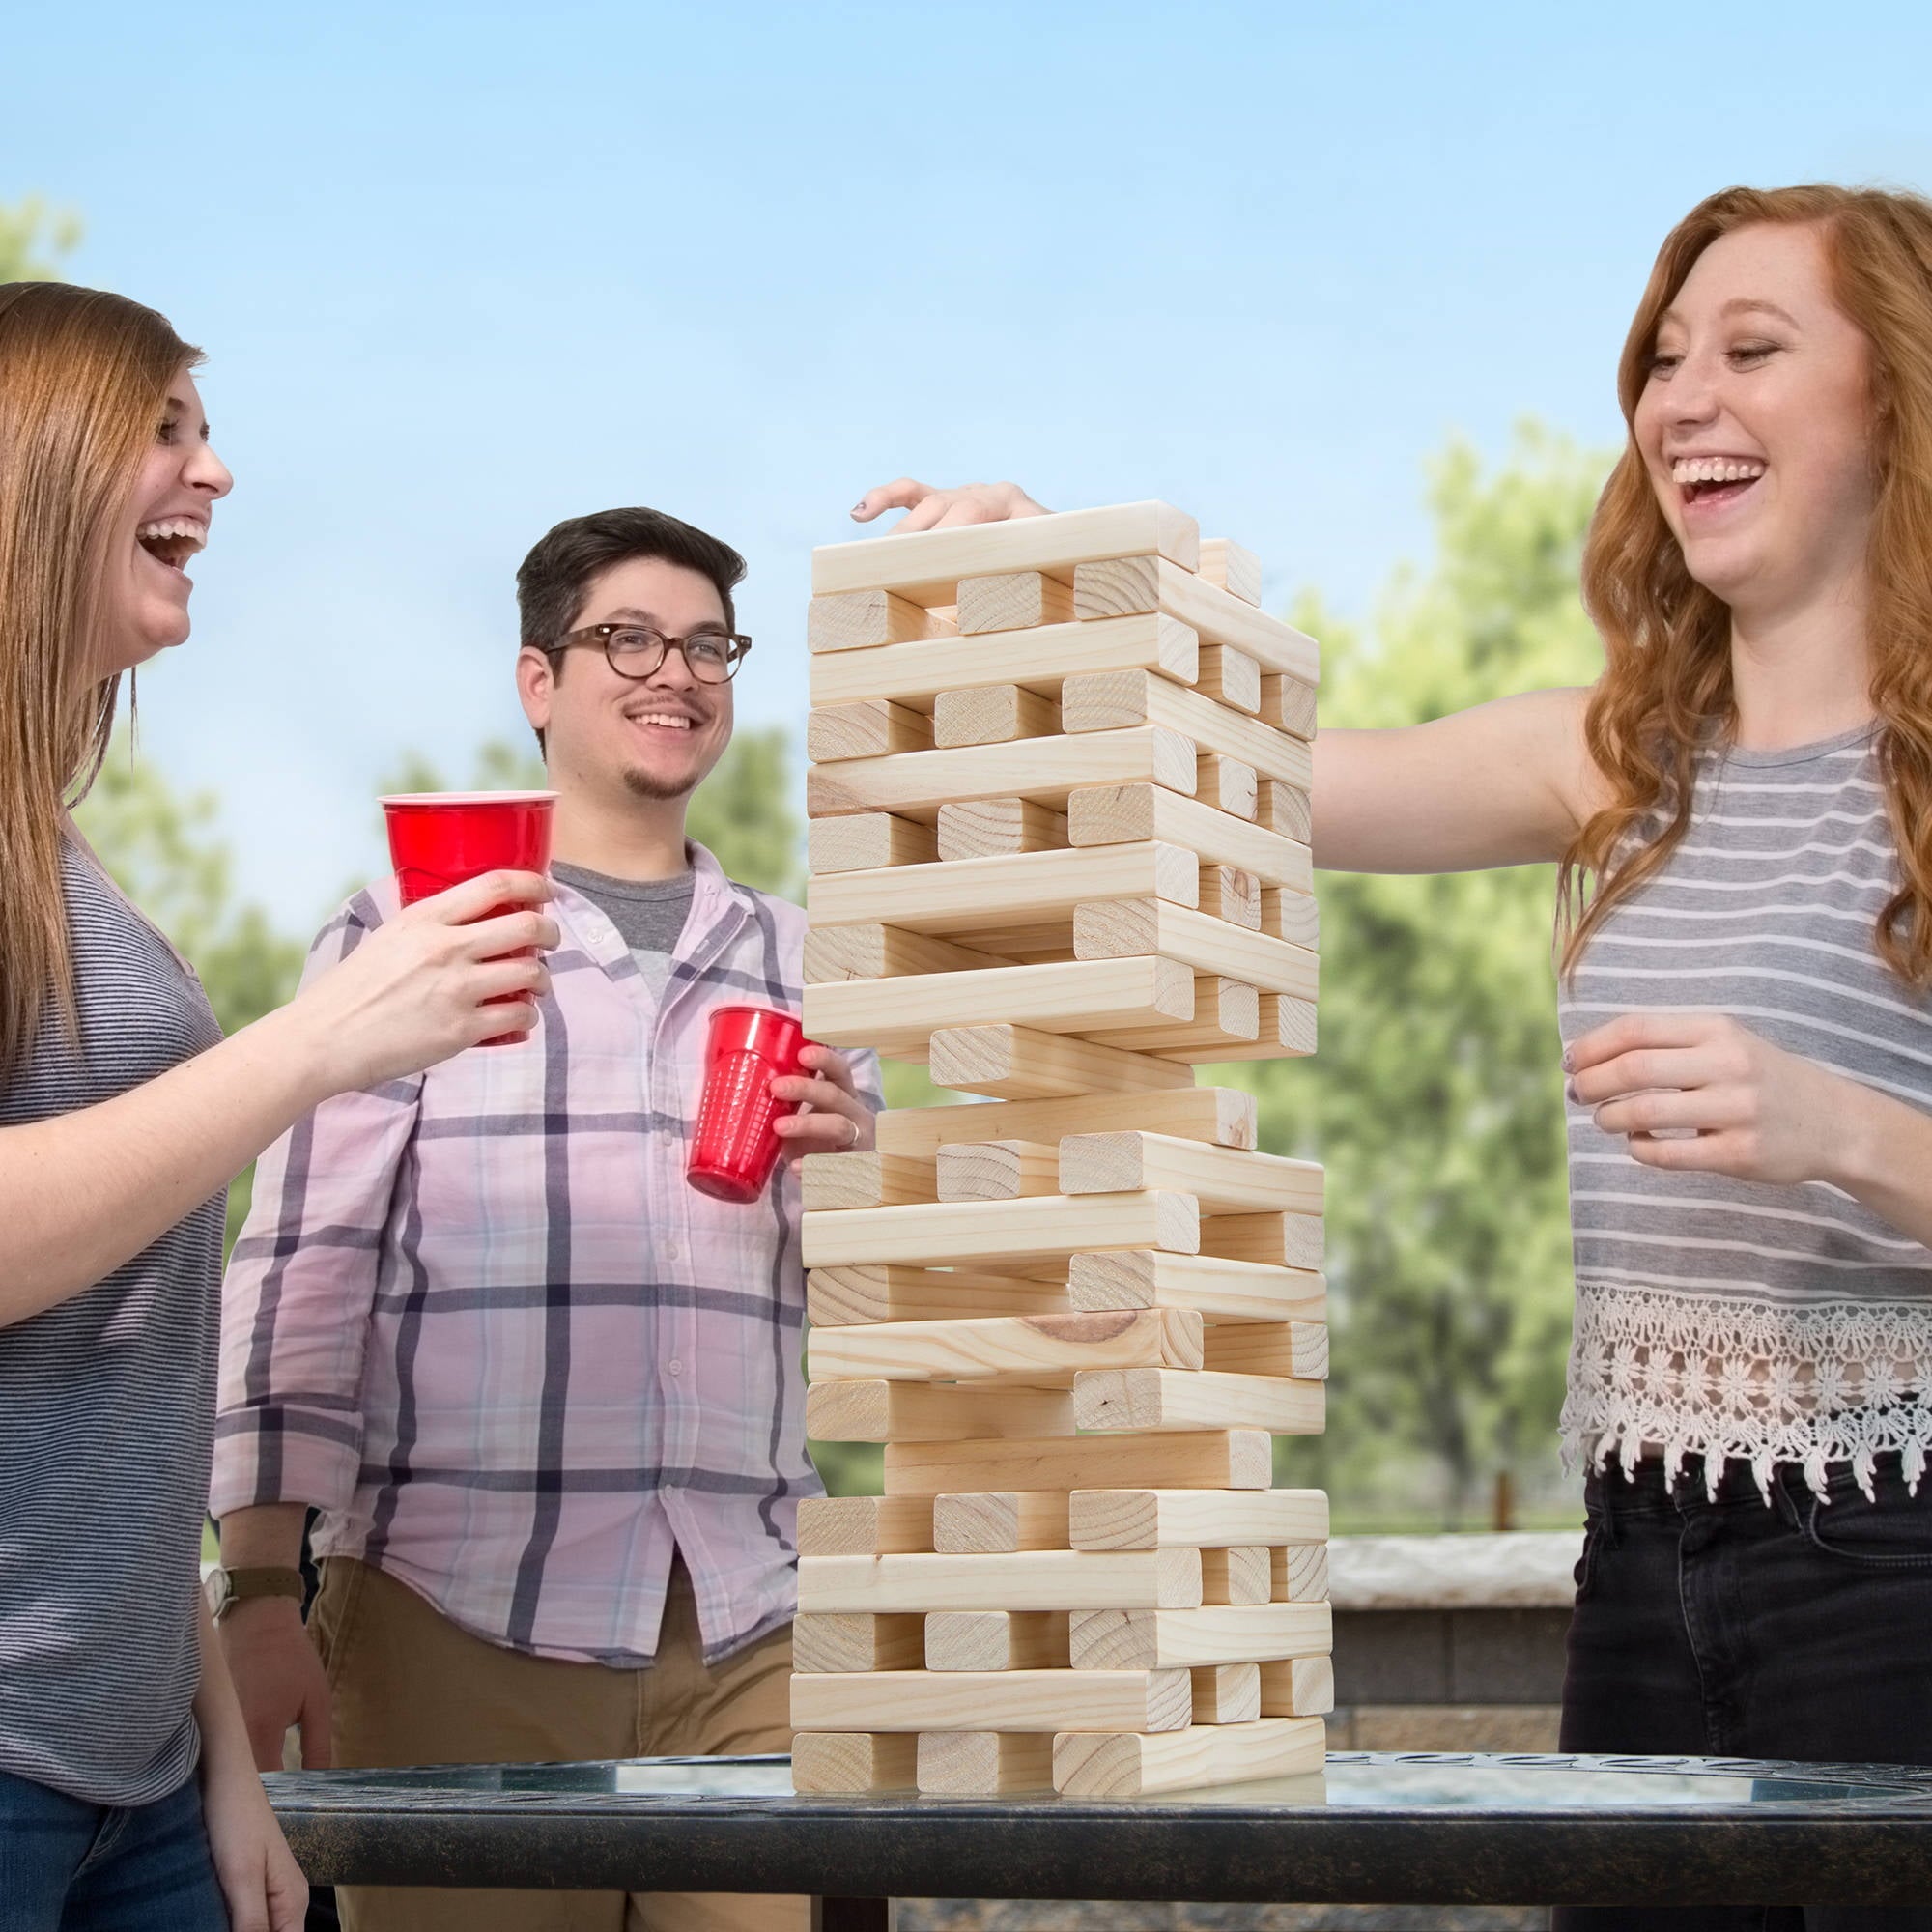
1060 853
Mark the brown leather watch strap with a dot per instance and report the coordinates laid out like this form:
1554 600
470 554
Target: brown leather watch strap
235 1586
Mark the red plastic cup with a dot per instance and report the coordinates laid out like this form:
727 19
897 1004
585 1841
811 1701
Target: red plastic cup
440 839
735 1149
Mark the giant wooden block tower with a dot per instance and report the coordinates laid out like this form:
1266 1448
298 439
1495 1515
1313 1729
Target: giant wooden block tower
1060 852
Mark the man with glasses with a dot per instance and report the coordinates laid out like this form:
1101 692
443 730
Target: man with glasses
545 1397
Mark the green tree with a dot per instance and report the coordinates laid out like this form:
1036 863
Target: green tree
1435 1099
33 237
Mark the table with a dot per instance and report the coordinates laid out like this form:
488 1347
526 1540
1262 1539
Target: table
1408 1828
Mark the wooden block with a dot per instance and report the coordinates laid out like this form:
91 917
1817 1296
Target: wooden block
839 1764
1285 1030
1236 569
1289 705
1230 894
1237 1574
842 1298
1127 928
863 1526
1231 677
886 953
993 1700
1126 814
1134 1640
1226 784
1132 1764
1038 661
1298 1348
1013 600
1222 1115
1135 1399
994 714
858 1642
1227 1694
1223 1292
863 1178
983 1763
1298 1574
1284 810
1298 1687
1035 1350
1027 1579
1227 1014
1115 700
996 1640
1162 1518
967 896
990 1231
926 566
1293 917
993 828
883 1411
1225 1180
866 840
898 1016
1279 1240
917 784
862 619
1010 1062
996 1521
874 727
996 1170
1222 1459
1139 584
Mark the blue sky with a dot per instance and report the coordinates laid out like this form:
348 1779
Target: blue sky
463 272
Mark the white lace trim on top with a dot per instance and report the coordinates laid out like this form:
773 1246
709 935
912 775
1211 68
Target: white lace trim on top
1830 1381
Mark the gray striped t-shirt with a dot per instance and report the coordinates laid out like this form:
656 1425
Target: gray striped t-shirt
107 1417
1781 1324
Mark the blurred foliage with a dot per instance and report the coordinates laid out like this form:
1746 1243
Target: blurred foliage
1435 1100
33 240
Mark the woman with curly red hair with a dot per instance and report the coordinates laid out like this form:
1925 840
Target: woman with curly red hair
1742 808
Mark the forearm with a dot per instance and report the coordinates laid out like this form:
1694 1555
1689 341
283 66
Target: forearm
85 1192
269 1536
1885 1160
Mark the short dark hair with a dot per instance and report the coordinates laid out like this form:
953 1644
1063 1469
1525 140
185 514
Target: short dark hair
553 578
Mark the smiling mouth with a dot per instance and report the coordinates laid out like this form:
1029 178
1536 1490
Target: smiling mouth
666 720
172 540
1715 479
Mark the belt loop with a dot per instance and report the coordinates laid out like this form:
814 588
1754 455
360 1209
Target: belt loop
1608 1477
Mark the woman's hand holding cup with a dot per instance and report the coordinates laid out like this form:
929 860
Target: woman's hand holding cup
419 988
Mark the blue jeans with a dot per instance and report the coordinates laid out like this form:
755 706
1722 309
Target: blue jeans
70 1867
1737 1629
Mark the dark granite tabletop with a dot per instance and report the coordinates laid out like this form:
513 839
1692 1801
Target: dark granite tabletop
1412 1828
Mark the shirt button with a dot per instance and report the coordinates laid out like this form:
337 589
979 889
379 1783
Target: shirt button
675 1366
672 1252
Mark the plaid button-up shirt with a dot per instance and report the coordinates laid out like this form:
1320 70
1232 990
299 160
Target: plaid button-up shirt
479 1318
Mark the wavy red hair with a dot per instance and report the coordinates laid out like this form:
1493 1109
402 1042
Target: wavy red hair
1666 682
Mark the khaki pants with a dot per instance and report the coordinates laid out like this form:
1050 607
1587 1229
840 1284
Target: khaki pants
410 1688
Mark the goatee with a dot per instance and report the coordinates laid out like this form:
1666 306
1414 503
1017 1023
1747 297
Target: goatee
647 784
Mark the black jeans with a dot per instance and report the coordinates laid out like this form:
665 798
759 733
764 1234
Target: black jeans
1802 1628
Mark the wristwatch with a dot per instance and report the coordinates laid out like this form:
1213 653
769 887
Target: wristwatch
228 1587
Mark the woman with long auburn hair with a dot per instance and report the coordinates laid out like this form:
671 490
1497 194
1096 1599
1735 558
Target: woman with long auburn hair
1742 810
129 1796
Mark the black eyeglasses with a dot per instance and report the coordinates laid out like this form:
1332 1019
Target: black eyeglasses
637 651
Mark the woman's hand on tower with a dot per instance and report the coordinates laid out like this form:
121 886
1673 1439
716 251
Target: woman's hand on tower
1728 1102
930 509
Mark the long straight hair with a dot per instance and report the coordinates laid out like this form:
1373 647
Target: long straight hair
1666 684
84 377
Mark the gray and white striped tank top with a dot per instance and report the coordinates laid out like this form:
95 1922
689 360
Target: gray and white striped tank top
107 1417
1781 1324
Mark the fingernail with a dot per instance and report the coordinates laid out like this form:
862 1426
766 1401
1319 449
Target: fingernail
1569 1060
859 506
1569 1093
